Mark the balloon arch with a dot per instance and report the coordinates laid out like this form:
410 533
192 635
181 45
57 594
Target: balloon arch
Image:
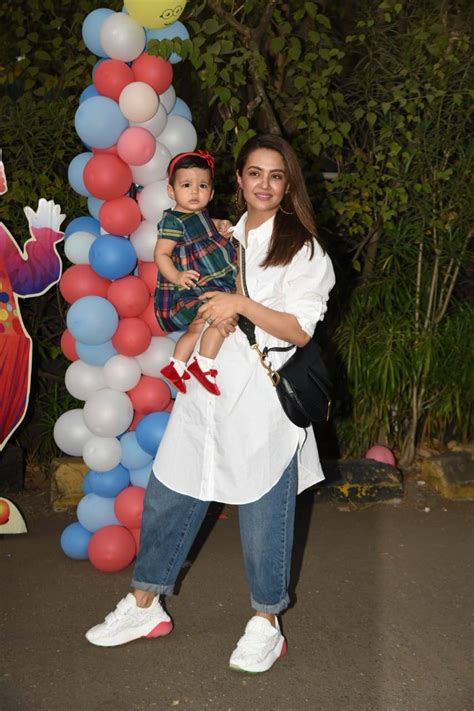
131 124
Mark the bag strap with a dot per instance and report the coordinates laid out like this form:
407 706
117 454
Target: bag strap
248 328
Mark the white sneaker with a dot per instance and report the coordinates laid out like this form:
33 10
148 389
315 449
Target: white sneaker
128 622
259 648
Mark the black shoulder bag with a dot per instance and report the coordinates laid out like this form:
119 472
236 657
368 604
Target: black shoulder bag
302 384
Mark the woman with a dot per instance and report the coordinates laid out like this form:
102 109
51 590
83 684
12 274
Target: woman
239 448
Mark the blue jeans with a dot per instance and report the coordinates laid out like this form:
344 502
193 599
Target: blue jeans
171 522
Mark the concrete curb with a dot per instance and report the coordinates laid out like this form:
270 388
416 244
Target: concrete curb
359 481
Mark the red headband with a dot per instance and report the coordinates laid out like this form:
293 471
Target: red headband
201 154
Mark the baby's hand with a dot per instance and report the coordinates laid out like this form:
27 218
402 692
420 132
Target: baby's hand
224 227
188 278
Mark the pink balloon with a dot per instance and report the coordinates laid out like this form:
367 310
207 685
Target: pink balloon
136 145
81 280
149 316
150 395
155 71
129 296
148 272
107 177
111 548
381 454
111 77
128 506
121 216
132 337
68 346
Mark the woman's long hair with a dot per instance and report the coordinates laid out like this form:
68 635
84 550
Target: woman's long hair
290 231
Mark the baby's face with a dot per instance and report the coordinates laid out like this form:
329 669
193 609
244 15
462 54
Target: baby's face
192 189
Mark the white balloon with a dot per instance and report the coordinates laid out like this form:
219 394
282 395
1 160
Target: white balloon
102 453
83 379
168 98
77 246
71 433
108 412
138 101
179 135
157 122
156 355
122 37
153 199
155 169
144 241
121 372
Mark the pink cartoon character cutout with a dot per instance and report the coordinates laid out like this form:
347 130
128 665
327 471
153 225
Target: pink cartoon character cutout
24 273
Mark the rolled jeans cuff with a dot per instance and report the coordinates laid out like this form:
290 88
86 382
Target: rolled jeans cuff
270 609
151 587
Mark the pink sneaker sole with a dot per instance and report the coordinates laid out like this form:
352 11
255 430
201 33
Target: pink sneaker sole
162 629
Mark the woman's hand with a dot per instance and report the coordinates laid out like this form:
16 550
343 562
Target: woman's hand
219 307
188 278
223 226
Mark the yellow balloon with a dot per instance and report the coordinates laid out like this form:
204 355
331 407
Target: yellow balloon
155 13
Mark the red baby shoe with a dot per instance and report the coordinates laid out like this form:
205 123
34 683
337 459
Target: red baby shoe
171 374
195 369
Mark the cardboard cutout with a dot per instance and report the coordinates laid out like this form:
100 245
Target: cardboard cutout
23 273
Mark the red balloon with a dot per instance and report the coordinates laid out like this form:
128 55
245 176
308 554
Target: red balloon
111 548
111 77
111 150
150 319
155 71
150 395
68 345
132 337
136 145
148 272
81 280
128 506
170 406
107 177
121 216
136 535
129 296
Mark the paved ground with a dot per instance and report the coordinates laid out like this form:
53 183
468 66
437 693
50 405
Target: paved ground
381 620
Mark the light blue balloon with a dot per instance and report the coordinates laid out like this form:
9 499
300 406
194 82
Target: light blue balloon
181 109
95 355
176 30
109 483
92 320
140 477
133 456
88 93
75 541
94 512
175 335
91 30
150 430
99 122
112 257
83 224
86 484
93 205
75 173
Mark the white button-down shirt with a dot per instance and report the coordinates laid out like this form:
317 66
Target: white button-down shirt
234 447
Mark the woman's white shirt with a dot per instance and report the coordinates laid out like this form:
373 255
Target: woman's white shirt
234 448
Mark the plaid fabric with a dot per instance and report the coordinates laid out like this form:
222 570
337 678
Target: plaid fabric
201 247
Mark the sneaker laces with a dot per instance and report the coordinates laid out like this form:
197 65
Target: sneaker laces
120 611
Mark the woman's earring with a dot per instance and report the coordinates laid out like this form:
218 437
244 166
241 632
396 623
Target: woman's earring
285 212
239 200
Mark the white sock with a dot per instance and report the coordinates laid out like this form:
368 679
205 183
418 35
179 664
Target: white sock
179 366
205 363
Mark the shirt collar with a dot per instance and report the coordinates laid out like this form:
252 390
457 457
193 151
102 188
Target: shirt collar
261 233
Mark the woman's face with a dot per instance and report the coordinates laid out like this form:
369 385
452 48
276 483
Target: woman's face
264 180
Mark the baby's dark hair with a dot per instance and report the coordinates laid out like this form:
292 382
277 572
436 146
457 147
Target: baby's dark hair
188 160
